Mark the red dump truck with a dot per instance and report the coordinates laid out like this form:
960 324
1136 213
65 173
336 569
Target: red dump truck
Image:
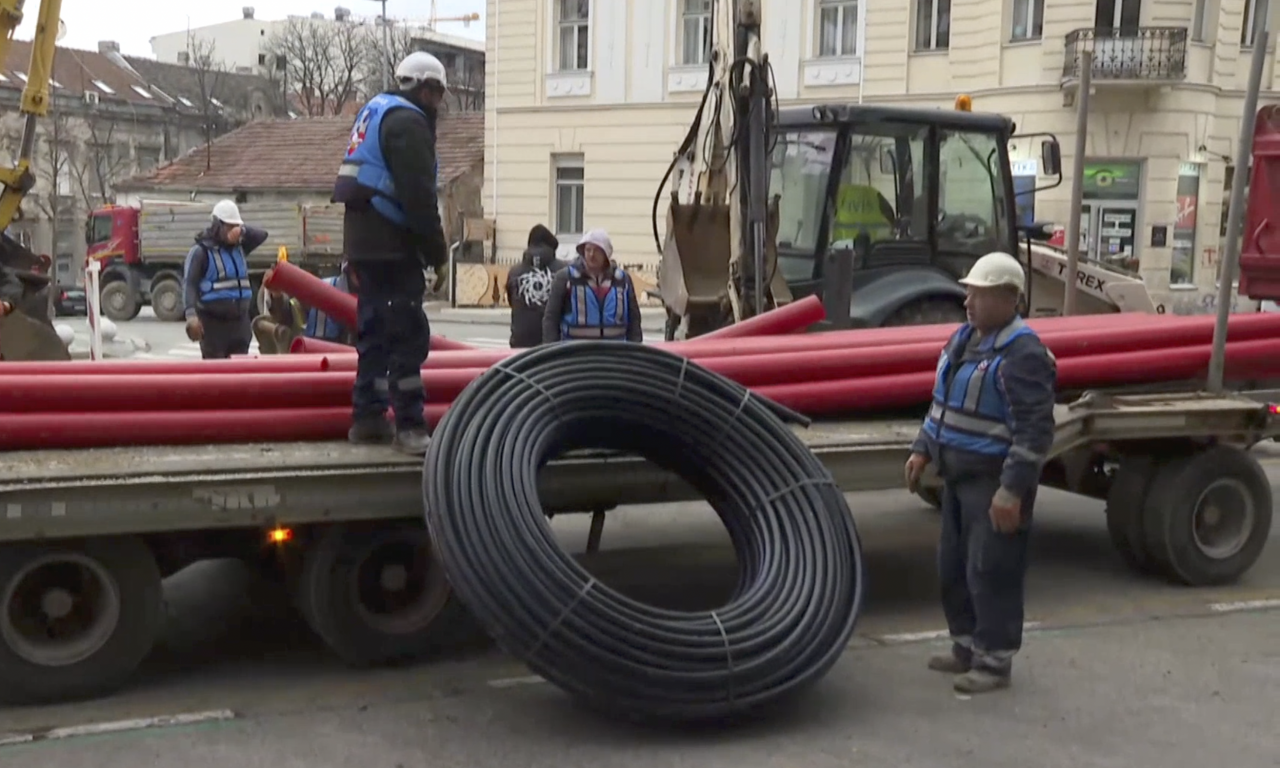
142 249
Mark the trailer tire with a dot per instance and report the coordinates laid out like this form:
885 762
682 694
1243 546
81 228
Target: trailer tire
1126 503
934 311
1199 539
167 302
123 584
340 578
119 302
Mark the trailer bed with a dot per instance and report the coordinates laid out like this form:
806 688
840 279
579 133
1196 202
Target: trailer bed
56 494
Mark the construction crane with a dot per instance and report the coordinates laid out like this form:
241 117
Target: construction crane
30 334
435 18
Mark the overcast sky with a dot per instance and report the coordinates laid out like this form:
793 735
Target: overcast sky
132 23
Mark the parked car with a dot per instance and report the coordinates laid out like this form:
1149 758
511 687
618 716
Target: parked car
70 302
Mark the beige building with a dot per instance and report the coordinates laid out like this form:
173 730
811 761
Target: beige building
589 100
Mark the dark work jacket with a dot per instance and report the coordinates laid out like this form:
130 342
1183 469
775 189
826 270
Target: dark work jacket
408 142
11 289
1027 377
528 288
194 271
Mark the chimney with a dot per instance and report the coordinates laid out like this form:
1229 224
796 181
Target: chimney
341 14
108 46
317 15
247 11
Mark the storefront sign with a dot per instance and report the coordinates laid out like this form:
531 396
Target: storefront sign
1112 181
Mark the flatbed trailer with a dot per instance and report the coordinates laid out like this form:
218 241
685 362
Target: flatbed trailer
87 535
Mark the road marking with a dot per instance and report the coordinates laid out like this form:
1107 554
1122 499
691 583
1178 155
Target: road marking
937 634
512 682
1245 605
117 726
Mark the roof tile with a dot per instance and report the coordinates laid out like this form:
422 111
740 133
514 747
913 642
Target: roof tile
300 155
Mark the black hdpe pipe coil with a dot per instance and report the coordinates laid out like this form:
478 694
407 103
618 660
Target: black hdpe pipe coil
800 584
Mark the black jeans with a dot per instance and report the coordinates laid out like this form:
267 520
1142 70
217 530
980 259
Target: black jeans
982 573
224 337
393 338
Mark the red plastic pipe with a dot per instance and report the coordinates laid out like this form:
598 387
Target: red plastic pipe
34 431
311 291
1245 360
302 345
183 392
235 365
788 318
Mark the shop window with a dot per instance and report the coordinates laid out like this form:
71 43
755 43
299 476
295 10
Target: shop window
1183 266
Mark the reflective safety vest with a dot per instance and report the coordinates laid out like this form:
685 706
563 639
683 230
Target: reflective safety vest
319 325
589 316
363 176
858 210
226 277
969 410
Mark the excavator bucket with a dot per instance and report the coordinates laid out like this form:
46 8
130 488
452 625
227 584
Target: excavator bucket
28 333
694 274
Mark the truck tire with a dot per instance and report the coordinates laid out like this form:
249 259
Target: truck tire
1207 516
374 593
77 619
1126 502
167 302
119 302
927 312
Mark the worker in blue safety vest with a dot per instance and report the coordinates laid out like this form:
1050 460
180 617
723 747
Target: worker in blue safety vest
217 291
288 318
318 325
391 233
988 432
592 298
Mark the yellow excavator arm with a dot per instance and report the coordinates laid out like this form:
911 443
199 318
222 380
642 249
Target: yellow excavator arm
19 179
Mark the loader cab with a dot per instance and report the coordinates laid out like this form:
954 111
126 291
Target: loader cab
915 196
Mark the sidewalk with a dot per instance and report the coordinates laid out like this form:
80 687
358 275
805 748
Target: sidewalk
652 319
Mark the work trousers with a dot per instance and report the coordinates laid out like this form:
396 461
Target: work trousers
393 338
224 336
982 573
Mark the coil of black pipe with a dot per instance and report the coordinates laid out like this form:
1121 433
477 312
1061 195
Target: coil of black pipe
800 584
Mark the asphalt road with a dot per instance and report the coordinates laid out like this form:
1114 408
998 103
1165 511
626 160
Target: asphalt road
1117 670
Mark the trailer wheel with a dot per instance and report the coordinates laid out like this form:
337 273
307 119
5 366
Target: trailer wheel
1125 510
118 301
373 593
1208 516
77 618
166 301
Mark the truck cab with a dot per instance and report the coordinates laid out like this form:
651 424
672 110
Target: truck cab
913 196
111 232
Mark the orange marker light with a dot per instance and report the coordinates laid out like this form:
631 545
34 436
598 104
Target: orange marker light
279 535
964 103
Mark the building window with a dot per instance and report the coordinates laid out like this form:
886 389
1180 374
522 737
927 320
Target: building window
184 57
1183 266
1255 18
573 28
1199 19
933 25
837 28
569 183
1028 20
695 32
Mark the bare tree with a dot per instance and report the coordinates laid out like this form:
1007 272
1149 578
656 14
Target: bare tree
100 162
383 55
54 171
209 72
323 61
469 88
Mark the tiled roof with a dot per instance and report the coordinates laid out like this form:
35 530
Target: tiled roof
300 155
150 83
235 90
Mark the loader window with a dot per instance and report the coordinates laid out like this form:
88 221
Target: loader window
800 167
973 208
880 195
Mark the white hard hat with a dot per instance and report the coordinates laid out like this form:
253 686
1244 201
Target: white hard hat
417 68
227 212
995 269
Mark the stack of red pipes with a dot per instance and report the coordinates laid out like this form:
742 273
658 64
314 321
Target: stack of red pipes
305 396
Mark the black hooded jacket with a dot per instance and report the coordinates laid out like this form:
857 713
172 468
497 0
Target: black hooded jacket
529 286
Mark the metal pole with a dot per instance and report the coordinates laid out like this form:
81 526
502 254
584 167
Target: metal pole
1235 217
386 49
1070 291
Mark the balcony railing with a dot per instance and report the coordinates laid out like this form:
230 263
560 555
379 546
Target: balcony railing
1155 54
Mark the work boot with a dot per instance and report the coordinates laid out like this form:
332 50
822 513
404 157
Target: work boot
413 441
978 680
371 431
951 662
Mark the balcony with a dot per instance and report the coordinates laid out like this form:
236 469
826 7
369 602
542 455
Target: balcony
1132 56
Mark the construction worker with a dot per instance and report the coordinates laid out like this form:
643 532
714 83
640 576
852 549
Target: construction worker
861 210
592 298
216 286
296 320
391 232
529 287
987 434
